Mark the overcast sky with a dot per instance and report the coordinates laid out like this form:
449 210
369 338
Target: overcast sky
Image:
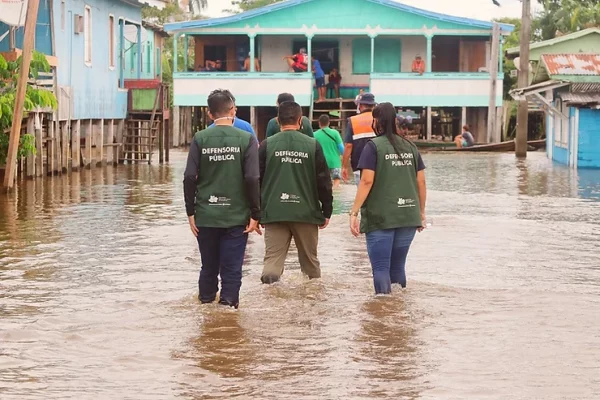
478 9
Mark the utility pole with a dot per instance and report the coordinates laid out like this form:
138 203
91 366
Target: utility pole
492 113
15 132
523 110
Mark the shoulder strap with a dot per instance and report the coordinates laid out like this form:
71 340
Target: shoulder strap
325 132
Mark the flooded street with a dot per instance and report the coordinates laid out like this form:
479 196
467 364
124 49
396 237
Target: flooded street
98 286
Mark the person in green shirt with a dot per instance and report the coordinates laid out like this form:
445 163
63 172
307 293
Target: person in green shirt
273 126
331 142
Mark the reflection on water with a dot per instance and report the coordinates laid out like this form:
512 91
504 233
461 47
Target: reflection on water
98 281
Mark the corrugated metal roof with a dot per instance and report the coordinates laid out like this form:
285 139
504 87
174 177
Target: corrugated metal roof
580 98
556 40
572 64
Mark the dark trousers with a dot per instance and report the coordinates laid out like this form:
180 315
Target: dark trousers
222 252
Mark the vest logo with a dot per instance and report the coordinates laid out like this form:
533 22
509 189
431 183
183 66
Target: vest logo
289 198
406 202
219 201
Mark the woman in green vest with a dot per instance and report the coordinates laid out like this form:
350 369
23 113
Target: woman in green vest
391 198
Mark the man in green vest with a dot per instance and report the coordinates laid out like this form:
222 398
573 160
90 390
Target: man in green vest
222 199
296 195
273 126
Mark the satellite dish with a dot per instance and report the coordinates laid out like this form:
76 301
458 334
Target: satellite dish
130 33
517 62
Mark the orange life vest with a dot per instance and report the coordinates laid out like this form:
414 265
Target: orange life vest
362 132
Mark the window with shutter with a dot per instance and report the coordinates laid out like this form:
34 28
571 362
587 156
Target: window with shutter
111 41
87 33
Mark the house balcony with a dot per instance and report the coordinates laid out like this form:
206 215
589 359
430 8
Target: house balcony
434 89
249 88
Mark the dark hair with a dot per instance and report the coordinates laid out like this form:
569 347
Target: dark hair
324 120
289 113
466 127
283 97
384 122
220 102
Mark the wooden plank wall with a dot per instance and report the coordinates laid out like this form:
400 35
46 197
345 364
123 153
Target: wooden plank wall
65 146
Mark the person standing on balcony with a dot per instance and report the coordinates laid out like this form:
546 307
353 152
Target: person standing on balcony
358 132
335 80
222 199
391 198
418 65
298 62
319 80
296 195
273 125
247 61
331 142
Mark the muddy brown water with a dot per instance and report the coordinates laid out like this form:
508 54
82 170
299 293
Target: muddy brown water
98 275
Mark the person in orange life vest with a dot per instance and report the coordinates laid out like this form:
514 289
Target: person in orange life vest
418 65
358 132
298 62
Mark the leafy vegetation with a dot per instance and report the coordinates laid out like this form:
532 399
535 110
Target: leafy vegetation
247 5
34 98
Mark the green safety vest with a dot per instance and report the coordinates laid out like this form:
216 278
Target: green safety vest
394 198
221 200
289 187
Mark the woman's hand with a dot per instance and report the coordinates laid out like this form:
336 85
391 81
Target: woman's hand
423 223
354 225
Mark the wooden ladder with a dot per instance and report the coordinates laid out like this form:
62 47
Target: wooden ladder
141 134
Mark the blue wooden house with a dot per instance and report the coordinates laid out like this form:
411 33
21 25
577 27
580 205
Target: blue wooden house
94 46
569 94
373 44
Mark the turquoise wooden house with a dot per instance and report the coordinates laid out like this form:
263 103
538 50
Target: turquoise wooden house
569 94
373 44
95 47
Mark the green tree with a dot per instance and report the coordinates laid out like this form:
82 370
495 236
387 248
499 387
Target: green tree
559 17
34 98
247 5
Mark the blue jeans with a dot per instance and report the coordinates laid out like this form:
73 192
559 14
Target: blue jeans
222 251
387 250
356 177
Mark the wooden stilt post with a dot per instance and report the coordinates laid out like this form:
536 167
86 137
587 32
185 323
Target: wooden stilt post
100 143
429 127
15 132
120 139
161 143
463 118
30 159
175 121
110 139
51 147
88 143
64 135
167 139
76 146
39 153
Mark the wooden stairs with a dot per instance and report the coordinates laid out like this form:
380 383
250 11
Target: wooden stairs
339 110
141 132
